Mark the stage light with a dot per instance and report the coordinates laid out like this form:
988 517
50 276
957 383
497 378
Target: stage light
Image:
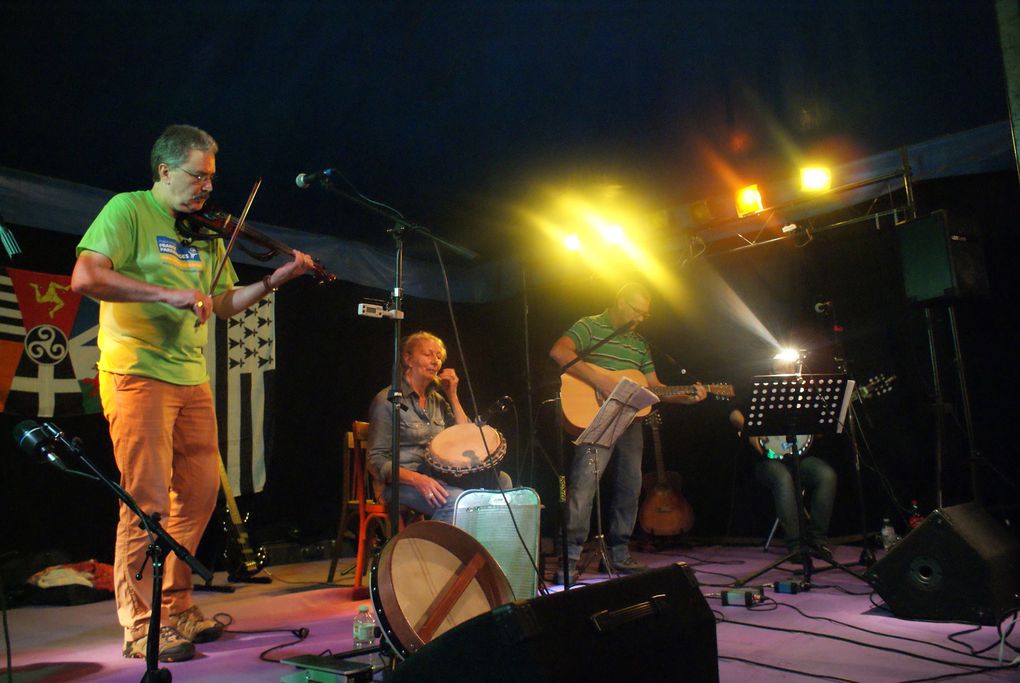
749 201
613 234
788 355
815 179
572 242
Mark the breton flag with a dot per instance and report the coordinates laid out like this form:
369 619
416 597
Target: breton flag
48 351
241 357
49 357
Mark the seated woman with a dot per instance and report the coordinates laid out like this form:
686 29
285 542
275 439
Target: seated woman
428 406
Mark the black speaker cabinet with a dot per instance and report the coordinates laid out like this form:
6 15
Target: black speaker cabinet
654 626
942 258
958 565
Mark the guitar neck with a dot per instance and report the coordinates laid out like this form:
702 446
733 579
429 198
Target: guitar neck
678 389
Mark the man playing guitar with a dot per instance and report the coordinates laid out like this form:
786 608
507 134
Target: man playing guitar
625 351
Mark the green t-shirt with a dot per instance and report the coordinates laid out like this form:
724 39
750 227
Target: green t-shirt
152 339
627 351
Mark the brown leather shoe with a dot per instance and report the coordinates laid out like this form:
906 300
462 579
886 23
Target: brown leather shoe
173 647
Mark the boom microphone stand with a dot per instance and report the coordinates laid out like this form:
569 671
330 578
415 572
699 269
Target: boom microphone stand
581 355
394 312
35 439
867 557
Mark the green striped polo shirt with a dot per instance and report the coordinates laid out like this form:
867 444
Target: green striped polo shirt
627 351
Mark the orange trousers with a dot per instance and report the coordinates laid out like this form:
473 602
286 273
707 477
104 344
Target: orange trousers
165 445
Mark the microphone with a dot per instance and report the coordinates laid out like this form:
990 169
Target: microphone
500 405
35 441
823 307
306 180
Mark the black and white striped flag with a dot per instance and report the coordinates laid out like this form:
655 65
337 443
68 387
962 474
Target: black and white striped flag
241 356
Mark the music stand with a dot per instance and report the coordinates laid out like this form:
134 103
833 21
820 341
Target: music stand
798 404
613 418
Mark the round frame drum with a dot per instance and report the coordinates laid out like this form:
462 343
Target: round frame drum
460 449
429 578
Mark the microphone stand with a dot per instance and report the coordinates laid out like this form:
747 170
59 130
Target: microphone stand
400 227
160 545
581 355
867 557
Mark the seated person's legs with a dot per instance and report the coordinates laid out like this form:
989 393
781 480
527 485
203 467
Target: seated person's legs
777 478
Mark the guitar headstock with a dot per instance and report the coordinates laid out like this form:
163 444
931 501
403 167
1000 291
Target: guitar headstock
654 419
720 392
876 386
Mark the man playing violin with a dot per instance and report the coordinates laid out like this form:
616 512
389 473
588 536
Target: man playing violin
152 288
428 405
627 350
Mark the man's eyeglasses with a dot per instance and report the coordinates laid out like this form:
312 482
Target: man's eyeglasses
644 315
200 178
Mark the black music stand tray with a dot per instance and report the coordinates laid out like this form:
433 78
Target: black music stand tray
791 405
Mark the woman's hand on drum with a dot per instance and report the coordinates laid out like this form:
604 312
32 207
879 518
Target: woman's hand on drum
431 490
448 380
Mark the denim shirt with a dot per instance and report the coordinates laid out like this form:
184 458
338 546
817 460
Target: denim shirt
418 426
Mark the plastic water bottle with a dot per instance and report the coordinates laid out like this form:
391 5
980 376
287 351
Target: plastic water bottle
916 518
364 628
888 534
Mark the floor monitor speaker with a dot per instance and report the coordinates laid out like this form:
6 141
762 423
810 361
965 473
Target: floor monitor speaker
959 565
654 626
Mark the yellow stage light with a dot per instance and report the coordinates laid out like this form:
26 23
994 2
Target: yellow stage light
815 179
613 234
572 242
749 201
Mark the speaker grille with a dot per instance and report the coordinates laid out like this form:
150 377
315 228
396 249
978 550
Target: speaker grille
484 515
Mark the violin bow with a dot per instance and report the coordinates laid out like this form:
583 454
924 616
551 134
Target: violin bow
233 239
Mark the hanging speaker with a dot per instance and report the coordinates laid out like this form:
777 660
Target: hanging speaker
942 258
654 626
484 514
958 565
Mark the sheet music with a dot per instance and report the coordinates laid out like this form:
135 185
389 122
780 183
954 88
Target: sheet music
616 413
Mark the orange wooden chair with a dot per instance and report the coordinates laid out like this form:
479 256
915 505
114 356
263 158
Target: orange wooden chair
363 494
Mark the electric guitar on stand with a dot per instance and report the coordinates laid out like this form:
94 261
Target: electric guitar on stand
242 562
664 511
580 402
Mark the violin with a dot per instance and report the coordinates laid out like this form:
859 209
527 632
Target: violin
210 224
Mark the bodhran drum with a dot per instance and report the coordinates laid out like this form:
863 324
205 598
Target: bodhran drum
465 448
429 578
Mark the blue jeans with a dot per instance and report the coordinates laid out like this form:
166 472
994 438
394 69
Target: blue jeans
819 482
413 499
625 459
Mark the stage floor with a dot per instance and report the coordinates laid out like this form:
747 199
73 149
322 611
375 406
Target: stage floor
832 632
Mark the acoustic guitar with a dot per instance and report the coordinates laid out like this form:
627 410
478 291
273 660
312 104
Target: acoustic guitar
580 402
664 511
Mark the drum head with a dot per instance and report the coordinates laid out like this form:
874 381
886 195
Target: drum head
461 448
429 578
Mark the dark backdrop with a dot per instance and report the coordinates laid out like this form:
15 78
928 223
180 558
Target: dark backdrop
331 362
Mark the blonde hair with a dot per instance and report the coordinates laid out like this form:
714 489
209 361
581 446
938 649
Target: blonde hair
409 343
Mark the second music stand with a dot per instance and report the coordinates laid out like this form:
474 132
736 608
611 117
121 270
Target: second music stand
791 405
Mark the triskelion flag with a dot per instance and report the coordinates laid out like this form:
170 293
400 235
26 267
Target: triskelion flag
48 351
241 356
